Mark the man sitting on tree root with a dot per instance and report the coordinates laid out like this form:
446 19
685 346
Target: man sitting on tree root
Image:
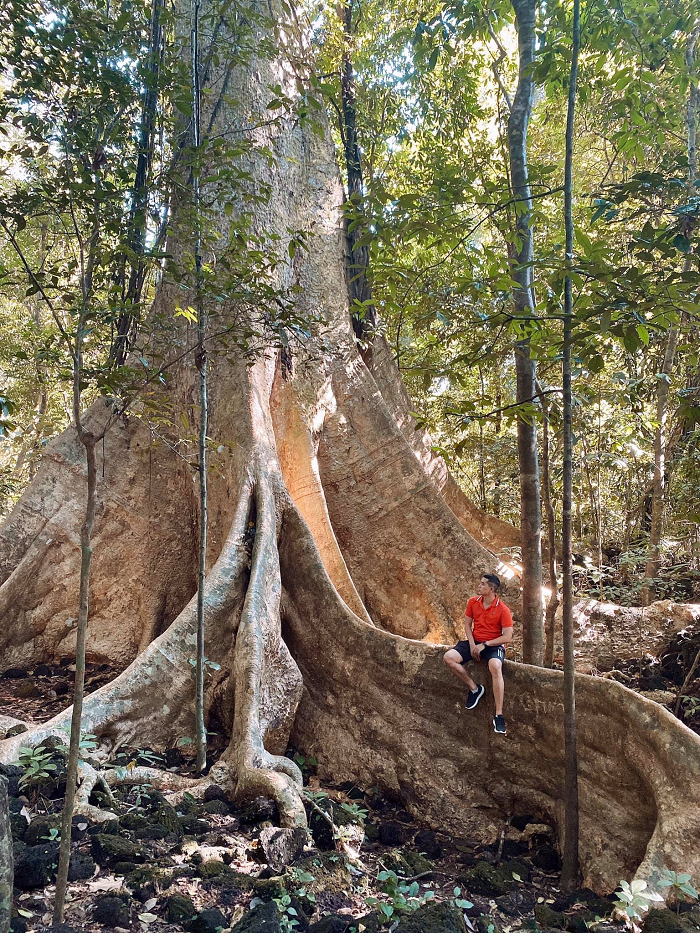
489 627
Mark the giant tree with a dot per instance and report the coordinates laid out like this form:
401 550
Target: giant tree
336 566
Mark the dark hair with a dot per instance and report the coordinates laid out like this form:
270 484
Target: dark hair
492 579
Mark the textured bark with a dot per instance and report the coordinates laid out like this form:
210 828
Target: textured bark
329 540
521 271
663 382
6 859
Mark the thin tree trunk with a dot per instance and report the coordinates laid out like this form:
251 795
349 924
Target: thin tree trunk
364 315
570 861
6 859
201 362
663 381
138 218
521 270
88 440
553 603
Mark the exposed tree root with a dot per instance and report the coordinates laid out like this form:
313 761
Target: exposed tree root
381 709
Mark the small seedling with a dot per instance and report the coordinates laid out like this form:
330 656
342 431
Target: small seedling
634 899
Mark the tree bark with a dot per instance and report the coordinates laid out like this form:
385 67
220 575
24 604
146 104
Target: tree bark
364 316
521 269
570 855
553 602
6 859
663 381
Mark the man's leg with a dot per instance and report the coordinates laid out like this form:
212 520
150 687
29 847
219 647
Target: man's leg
496 668
453 659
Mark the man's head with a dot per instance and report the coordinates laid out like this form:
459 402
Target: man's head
489 583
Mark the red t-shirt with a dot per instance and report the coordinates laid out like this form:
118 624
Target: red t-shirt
490 621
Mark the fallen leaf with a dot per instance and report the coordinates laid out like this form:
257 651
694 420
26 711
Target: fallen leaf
151 903
147 918
104 884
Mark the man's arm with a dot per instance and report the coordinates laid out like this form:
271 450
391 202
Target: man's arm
468 629
505 638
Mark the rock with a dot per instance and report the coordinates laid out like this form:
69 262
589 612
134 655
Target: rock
151 832
371 832
166 816
536 834
259 810
123 868
179 907
215 792
19 821
417 863
13 773
39 830
516 867
487 924
173 758
14 673
27 690
43 670
667 921
391 834
111 911
193 825
426 842
333 923
433 918
371 923
594 902
516 902
18 925
208 921
108 849
552 919
266 918
546 858
35 866
217 807
487 880
105 827
81 867
79 828
282 846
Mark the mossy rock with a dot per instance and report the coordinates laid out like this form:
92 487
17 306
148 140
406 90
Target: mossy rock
516 867
417 863
396 861
551 919
370 923
487 880
433 918
329 870
668 921
266 918
179 907
108 849
212 868
371 832
39 830
269 888
216 807
600 906
166 816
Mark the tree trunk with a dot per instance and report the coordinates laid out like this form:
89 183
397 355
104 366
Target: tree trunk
364 316
663 382
521 271
332 553
553 602
6 859
570 856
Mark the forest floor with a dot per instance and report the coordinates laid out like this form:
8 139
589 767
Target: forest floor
208 865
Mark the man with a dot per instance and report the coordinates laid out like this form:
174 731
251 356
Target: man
489 627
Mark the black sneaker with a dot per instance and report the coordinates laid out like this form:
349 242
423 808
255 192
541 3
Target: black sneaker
499 725
474 696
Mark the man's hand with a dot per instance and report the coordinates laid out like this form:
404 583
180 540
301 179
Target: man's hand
476 651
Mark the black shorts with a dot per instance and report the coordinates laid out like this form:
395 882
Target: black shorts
492 651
